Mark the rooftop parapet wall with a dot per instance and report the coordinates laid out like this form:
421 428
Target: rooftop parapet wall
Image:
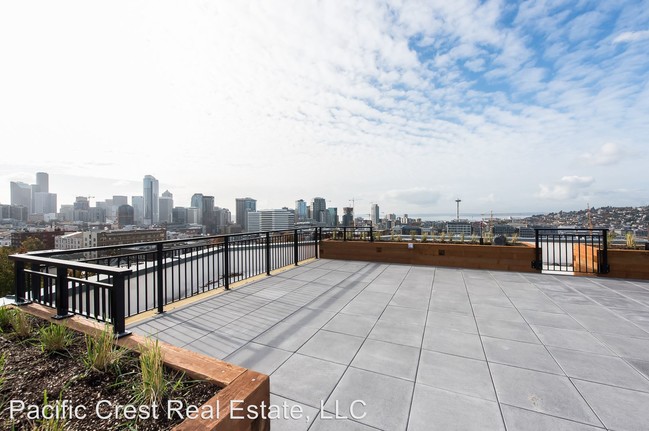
502 258
628 264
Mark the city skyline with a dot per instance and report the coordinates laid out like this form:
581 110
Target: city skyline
530 107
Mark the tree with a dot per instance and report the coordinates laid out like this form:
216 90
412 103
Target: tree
6 271
31 244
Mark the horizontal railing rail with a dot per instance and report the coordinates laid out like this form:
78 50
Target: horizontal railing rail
156 274
90 290
349 233
574 250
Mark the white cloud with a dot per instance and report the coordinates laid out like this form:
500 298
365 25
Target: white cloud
631 36
419 196
569 187
607 154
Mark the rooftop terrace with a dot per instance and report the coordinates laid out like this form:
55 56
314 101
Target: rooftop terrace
432 348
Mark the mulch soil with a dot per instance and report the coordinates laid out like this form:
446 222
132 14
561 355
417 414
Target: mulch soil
29 372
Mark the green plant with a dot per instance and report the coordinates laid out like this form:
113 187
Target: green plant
610 237
5 318
102 352
57 419
392 235
442 237
515 238
54 338
398 237
21 326
474 239
154 386
424 237
413 235
462 237
488 237
630 240
3 362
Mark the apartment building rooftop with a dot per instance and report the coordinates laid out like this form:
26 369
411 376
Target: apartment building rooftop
432 348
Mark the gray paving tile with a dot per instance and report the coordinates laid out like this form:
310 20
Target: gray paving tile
456 374
609 324
330 423
602 369
394 314
642 366
306 380
310 317
258 357
299 421
569 339
619 409
520 354
492 312
387 358
216 345
450 305
398 333
541 392
629 347
452 321
508 330
410 300
351 324
525 420
387 399
434 408
364 308
286 336
554 320
453 342
332 346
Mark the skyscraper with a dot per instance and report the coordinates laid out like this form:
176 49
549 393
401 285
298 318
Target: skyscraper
300 210
21 195
319 208
244 206
374 214
197 202
151 204
138 209
166 205
43 182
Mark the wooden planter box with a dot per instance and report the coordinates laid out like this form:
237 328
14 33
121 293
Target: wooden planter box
474 256
239 387
628 264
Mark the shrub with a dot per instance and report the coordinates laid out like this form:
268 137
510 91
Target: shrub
102 353
3 362
20 324
154 386
54 338
630 240
5 318
424 237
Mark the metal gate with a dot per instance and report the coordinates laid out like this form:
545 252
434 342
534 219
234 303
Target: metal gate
571 250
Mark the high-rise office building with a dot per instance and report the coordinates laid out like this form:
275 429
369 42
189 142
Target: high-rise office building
332 217
301 213
44 203
151 204
244 206
125 216
165 206
348 216
137 202
266 220
197 202
374 214
209 220
318 209
21 195
43 182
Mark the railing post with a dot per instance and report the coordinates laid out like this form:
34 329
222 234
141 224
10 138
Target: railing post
537 251
35 282
315 240
19 281
62 293
603 264
344 233
371 234
160 277
295 253
267 253
226 263
117 307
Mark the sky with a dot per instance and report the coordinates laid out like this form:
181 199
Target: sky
532 106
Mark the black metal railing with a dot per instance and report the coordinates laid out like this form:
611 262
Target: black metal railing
572 250
114 282
94 291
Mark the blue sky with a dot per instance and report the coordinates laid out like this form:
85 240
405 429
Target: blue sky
511 106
